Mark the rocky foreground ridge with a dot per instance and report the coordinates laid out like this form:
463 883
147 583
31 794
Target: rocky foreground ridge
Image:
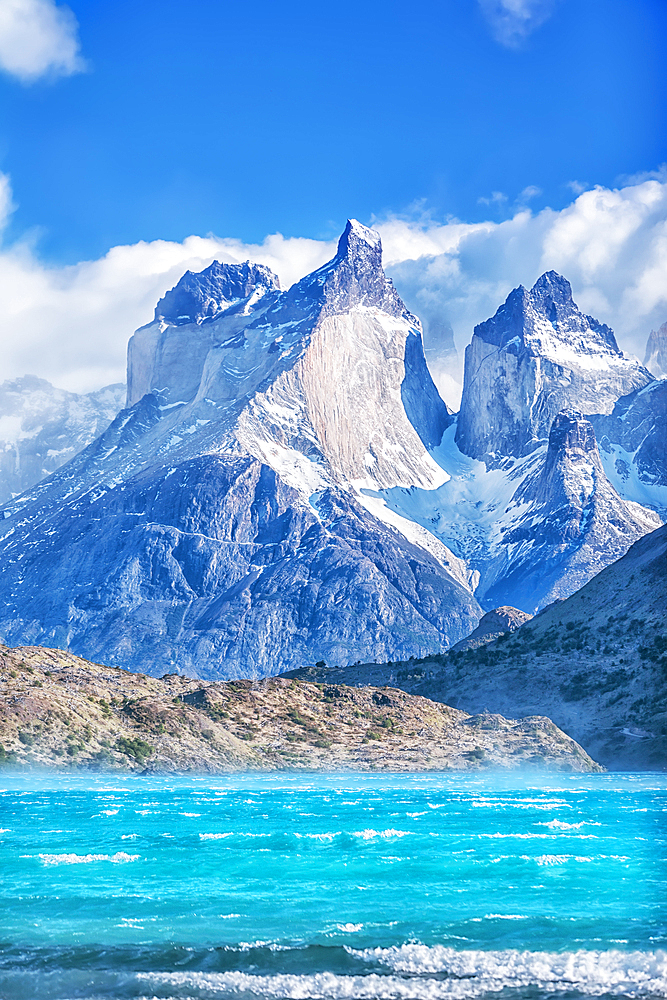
59 711
596 663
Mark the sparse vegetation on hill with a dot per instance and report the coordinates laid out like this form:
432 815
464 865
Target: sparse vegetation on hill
595 663
57 710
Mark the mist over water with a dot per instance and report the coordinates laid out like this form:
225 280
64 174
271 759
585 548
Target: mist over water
410 886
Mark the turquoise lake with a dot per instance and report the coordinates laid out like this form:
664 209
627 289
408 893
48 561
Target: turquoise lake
341 886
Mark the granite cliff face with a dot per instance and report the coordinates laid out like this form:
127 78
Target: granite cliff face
42 427
218 527
527 502
537 356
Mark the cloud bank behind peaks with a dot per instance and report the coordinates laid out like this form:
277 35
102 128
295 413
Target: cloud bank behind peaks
38 39
512 21
71 324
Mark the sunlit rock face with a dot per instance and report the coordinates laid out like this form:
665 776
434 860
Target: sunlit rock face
42 427
220 525
538 355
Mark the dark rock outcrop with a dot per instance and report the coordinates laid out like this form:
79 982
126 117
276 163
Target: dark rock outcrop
493 624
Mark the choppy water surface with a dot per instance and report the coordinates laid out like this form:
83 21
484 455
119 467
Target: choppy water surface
333 887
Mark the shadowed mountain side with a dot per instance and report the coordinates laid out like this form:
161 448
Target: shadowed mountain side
58 711
217 568
596 663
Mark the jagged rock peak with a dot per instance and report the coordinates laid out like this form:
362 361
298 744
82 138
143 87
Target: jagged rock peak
203 295
355 276
656 352
571 432
493 624
535 316
537 355
359 243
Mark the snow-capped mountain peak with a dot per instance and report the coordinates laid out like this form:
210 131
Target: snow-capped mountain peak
538 355
354 277
201 296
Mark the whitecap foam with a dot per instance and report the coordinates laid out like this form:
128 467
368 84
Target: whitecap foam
318 836
385 834
555 859
558 824
631 973
120 857
473 974
214 836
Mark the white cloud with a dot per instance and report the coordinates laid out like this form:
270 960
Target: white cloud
38 39
497 198
512 21
71 324
528 193
610 244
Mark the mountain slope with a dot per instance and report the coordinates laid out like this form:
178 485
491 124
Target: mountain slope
596 663
217 526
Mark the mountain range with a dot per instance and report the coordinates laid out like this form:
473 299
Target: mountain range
285 485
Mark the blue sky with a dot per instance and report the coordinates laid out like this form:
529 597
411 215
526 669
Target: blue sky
487 140
247 119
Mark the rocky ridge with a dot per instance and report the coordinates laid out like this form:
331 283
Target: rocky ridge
491 626
58 711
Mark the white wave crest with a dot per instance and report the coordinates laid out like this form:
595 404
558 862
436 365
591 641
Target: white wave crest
474 973
214 836
120 857
630 973
386 834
